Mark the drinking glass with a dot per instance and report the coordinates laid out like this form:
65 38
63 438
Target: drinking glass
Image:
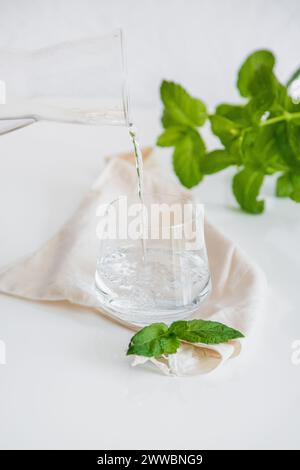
80 81
152 264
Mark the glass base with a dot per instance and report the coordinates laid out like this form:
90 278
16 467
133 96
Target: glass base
144 316
159 285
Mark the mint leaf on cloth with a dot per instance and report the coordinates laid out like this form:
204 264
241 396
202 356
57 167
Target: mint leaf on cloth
158 339
187 347
180 107
204 331
153 341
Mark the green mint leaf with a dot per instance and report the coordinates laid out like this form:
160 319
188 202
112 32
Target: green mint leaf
227 131
293 131
262 83
180 107
237 114
153 341
216 161
187 158
171 136
295 195
283 142
288 185
263 89
204 331
261 152
157 339
284 186
229 124
257 61
246 186
168 120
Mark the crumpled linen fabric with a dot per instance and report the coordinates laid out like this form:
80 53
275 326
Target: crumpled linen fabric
63 269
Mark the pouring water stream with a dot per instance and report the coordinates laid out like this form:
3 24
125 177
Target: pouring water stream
140 180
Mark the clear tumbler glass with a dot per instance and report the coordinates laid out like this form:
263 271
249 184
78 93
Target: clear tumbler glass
152 263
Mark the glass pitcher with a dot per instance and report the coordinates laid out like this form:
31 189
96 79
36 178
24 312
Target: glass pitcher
81 81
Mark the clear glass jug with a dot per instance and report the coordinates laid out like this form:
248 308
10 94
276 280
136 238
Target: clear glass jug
80 81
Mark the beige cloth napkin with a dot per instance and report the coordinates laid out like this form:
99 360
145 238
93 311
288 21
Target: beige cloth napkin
63 269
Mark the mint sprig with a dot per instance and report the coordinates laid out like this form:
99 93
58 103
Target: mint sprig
153 340
158 339
260 137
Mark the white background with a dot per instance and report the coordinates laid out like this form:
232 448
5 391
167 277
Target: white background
67 383
199 43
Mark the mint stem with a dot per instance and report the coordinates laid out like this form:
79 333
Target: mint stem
284 117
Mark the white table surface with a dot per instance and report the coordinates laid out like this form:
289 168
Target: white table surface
67 382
